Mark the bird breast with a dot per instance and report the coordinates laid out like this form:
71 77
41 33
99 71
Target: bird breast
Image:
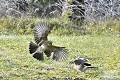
77 67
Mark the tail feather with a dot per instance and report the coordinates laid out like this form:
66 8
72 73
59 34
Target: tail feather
38 56
83 69
32 47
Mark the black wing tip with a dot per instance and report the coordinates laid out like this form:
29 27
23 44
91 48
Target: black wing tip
93 67
32 47
87 64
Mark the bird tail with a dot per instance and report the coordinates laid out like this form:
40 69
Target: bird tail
32 47
86 67
38 56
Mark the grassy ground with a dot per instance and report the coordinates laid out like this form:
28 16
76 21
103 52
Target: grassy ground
102 51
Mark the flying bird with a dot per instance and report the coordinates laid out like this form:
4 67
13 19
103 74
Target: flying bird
43 46
82 64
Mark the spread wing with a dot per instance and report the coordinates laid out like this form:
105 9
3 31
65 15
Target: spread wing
60 54
41 32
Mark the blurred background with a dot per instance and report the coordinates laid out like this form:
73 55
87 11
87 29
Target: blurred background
84 16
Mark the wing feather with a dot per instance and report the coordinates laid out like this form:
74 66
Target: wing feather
60 54
41 32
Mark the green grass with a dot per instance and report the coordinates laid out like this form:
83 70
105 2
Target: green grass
102 51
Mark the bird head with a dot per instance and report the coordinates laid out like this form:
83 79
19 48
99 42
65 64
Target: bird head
79 60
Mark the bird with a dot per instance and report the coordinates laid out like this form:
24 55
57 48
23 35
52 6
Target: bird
81 64
44 46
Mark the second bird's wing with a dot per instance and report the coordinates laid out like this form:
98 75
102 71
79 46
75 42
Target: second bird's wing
60 54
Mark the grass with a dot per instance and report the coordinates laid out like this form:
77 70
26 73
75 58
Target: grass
102 51
24 26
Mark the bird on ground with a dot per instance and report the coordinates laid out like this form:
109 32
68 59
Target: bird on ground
82 64
44 46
